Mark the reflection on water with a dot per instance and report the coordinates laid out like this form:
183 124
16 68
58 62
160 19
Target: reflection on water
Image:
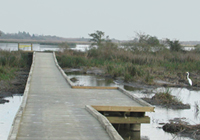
130 135
7 114
163 115
90 80
127 134
153 131
129 88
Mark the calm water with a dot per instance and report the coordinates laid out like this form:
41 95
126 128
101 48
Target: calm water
7 114
92 80
153 131
162 115
38 47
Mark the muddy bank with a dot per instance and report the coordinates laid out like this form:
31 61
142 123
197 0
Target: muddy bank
182 128
168 81
14 86
174 105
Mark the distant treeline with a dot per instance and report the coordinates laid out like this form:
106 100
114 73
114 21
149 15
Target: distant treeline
27 35
42 39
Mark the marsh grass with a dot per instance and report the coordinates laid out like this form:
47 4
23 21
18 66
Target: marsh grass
7 73
11 62
133 65
148 78
166 98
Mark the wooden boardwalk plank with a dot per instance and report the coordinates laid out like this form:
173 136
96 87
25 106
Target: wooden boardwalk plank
128 120
125 108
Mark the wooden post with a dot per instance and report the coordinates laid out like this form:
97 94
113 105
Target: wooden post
31 46
135 127
18 46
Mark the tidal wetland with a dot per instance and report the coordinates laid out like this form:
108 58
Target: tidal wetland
139 70
161 116
145 67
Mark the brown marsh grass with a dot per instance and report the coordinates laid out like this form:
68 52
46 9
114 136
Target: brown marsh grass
135 65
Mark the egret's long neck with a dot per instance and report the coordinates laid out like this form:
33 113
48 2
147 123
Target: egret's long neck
187 75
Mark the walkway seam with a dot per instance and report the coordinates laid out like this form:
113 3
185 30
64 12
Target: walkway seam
114 135
17 120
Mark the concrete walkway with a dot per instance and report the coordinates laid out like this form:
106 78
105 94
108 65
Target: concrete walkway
55 111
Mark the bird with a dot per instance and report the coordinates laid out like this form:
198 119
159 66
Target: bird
189 80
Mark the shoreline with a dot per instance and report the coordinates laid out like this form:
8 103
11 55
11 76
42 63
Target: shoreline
14 86
169 82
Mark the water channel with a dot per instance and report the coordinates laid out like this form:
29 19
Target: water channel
150 131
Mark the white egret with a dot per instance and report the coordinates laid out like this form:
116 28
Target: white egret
189 80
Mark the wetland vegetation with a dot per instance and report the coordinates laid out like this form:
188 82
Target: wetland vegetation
14 69
166 99
144 60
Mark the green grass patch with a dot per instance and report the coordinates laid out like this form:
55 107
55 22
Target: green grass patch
165 98
11 62
7 73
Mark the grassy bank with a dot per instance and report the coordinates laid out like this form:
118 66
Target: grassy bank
135 65
165 99
10 62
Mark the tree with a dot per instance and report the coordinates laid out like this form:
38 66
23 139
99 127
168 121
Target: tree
153 41
64 46
147 39
97 38
143 42
142 38
174 45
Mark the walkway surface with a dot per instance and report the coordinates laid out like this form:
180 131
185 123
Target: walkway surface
55 111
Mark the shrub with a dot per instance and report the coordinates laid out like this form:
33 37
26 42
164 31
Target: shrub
71 61
115 69
174 45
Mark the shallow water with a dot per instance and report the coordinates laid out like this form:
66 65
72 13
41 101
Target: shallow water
148 131
153 131
91 80
163 115
7 114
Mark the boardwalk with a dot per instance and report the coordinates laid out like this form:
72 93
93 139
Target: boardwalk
55 111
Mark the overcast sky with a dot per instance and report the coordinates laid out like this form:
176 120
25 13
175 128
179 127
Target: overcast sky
120 19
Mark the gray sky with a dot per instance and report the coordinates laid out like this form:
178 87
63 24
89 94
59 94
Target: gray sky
120 19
